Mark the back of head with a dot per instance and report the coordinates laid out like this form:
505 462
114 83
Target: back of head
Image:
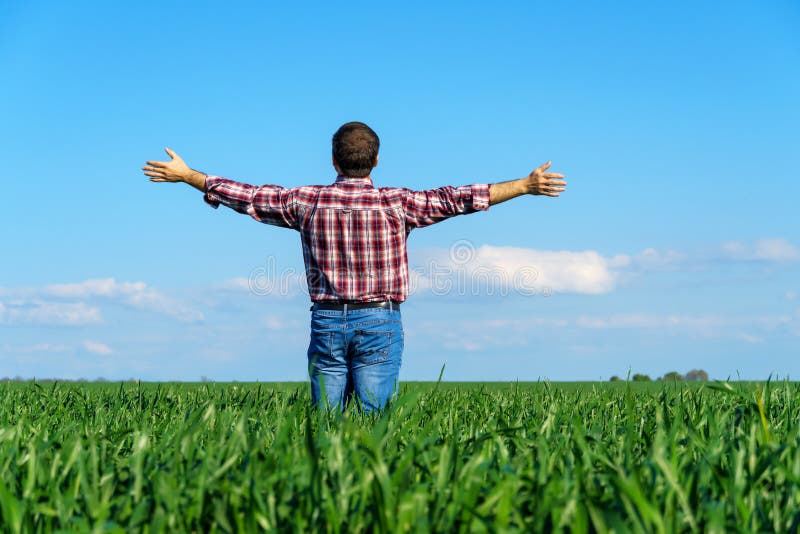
355 149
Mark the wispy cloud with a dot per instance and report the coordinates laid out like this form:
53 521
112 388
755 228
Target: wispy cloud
645 320
731 325
500 333
103 287
136 294
652 259
97 348
44 305
771 249
39 312
768 250
236 284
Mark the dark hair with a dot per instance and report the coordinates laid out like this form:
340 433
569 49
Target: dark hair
355 147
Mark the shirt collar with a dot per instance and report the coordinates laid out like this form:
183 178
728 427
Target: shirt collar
354 180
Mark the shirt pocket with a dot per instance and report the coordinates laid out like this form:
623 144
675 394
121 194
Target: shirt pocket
393 221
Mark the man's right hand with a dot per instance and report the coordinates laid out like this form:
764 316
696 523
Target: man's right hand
540 182
174 170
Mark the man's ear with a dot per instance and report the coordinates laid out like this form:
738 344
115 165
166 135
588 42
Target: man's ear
335 165
376 161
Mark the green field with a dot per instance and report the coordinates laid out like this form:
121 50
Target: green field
449 457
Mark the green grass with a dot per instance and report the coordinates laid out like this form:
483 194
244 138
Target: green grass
448 457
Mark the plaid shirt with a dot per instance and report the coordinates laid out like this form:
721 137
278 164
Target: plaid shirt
353 234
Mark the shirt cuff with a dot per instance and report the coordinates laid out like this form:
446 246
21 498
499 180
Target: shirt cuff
480 196
211 198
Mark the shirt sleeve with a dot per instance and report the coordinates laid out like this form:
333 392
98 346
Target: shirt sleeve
269 204
423 208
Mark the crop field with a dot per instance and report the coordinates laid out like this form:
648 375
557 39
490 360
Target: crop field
621 457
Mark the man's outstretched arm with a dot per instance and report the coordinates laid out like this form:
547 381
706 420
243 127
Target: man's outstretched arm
423 208
268 204
539 182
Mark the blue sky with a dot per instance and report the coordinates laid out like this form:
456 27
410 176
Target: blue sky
676 245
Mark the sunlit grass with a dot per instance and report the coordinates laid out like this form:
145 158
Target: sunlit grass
448 457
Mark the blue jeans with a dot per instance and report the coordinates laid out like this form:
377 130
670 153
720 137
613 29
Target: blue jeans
355 354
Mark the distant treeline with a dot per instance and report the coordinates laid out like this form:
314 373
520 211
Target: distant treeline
695 375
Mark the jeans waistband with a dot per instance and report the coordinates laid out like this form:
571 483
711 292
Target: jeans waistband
390 304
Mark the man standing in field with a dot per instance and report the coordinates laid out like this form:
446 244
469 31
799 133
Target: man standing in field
354 248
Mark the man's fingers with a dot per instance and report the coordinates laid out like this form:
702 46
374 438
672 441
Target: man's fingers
153 173
153 168
556 182
545 166
159 180
157 163
170 153
553 175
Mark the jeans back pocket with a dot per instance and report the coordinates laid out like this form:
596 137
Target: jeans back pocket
371 346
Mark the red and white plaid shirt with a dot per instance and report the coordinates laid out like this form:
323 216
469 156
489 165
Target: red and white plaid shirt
353 234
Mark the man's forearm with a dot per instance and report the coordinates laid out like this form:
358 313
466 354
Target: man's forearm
197 180
506 191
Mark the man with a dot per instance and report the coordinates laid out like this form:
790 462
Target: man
354 248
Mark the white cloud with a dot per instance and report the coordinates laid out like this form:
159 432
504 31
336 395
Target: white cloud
464 269
560 271
791 295
39 312
97 348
